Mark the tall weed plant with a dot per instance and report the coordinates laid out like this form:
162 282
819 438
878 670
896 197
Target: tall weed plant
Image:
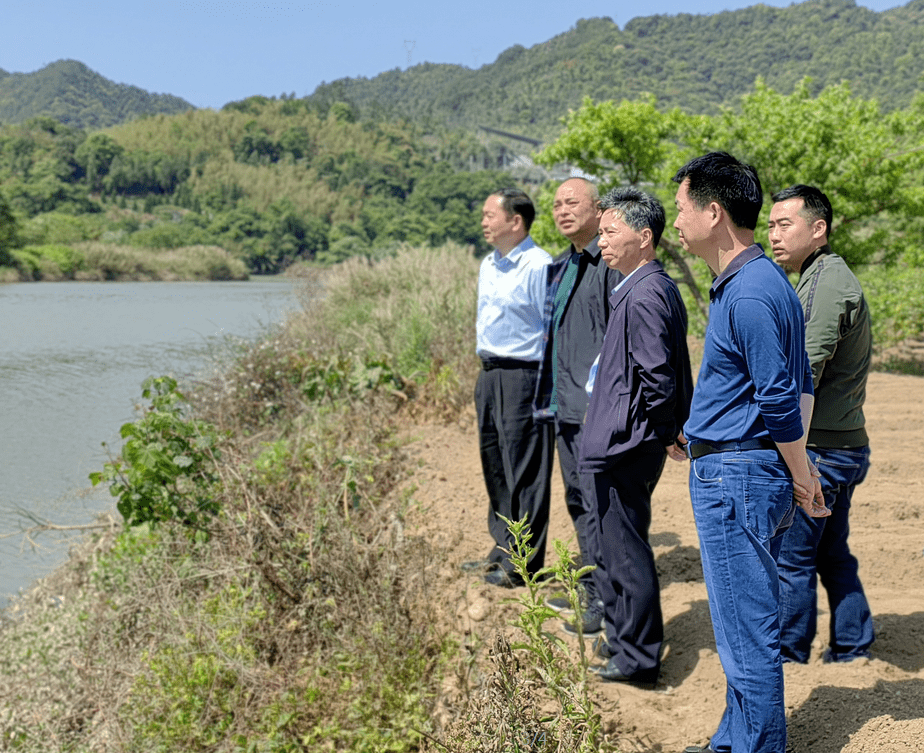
417 308
536 698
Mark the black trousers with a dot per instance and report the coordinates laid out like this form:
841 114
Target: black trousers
516 457
627 579
582 514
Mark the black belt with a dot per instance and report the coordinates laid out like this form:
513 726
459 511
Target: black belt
699 449
507 363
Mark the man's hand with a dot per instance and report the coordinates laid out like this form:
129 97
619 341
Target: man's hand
808 492
678 450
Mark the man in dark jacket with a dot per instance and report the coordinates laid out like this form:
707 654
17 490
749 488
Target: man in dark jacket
577 311
839 344
640 400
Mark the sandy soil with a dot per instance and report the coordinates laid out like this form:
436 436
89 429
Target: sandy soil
870 705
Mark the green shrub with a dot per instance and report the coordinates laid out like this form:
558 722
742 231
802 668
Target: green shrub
28 262
53 261
167 235
166 471
896 299
60 229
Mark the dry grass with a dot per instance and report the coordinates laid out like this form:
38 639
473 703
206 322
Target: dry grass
105 261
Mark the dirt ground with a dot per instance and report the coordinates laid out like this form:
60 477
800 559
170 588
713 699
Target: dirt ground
870 705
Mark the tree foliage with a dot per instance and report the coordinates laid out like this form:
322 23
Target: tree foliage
8 233
867 162
271 181
624 142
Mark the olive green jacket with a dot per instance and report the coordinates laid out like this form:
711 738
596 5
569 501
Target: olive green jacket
839 345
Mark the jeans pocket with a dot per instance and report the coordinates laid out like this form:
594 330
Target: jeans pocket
840 467
767 504
706 469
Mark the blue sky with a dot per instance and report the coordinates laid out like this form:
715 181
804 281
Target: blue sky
211 53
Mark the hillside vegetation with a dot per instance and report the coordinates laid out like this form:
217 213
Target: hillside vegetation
271 182
695 62
70 92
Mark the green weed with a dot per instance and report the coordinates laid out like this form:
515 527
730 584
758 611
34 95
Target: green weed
166 471
537 698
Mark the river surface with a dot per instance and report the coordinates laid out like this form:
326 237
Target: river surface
73 356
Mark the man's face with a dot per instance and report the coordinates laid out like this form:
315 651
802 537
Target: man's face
574 211
620 245
792 237
499 228
693 225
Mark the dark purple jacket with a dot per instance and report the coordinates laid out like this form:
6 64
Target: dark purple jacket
641 396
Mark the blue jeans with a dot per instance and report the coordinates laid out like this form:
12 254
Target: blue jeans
742 501
817 547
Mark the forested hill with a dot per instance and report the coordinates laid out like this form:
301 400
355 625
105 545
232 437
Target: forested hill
71 93
696 62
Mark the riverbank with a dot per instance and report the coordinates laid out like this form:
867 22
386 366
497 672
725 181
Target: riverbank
301 615
94 261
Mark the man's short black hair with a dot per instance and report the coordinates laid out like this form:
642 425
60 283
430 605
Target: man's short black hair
637 209
515 201
719 177
815 204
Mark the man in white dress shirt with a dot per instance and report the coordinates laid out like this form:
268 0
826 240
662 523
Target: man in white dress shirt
516 452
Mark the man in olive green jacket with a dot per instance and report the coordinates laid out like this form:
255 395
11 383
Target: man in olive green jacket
839 346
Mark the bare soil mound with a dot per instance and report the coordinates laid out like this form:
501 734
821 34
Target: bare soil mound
874 705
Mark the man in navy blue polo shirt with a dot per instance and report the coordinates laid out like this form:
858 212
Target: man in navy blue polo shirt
746 438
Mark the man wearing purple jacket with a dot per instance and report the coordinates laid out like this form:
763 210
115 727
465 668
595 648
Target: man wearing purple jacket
640 400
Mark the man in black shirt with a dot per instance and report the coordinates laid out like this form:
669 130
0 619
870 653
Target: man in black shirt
578 310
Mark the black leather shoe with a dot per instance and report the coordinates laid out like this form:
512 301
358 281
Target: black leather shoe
502 578
612 673
477 566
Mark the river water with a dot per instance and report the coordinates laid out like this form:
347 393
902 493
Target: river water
72 359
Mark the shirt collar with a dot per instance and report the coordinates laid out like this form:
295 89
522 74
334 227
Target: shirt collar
513 258
752 252
592 250
821 251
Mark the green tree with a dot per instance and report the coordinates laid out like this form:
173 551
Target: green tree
95 156
625 142
868 163
8 234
